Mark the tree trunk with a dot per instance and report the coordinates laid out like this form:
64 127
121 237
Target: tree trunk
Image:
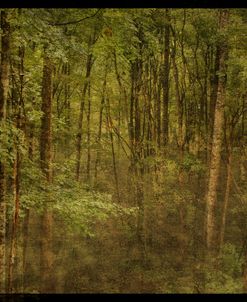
46 256
158 110
97 161
79 133
214 81
217 133
226 198
4 85
25 242
179 101
27 211
166 79
16 173
123 93
67 95
16 190
109 126
88 135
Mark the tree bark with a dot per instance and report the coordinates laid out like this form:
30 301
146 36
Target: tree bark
79 133
16 172
4 85
217 135
46 256
109 126
226 198
27 211
179 101
166 79
97 161
16 190
88 135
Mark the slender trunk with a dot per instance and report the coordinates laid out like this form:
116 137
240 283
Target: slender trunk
46 255
4 85
179 101
158 111
67 95
119 127
226 198
16 190
166 80
88 135
141 228
132 102
198 243
109 126
16 174
149 147
214 81
206 102
137 118
217 133
25 244
97 161
79 133
214 63
123 94
154 91
27 211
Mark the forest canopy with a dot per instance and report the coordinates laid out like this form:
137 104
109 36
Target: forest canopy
123 150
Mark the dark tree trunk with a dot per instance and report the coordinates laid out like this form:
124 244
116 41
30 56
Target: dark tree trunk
79 133
89 136
110 126
166 79
16 171
47 281
4 85
217 135
102 103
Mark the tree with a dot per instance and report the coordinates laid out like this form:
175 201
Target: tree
106 127
166 79
4 85
217 132
46 256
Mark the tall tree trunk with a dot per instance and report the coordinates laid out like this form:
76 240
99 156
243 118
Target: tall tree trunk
217 134
166 79
16 190
67 94
226 198
25 244
123 93
27 211
214 64
132 103
179 101
109 126
88 135
79 133
214 81
158 109
16 173
97 161
46 256
4 85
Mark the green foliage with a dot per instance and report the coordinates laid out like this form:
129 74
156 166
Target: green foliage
126 227
192 164
10 138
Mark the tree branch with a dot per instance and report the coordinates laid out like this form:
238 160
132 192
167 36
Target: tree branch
76 21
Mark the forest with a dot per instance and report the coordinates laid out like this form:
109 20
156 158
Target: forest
123 150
